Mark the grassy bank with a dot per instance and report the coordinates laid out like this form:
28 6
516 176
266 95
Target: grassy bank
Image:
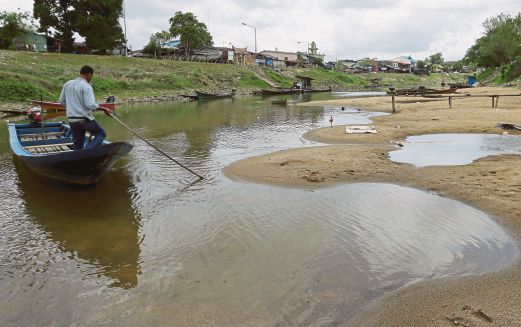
25 75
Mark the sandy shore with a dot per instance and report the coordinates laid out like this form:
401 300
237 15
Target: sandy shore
491 184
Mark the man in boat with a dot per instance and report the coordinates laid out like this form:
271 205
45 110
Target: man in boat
78 98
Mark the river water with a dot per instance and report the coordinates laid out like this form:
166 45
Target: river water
147 246
454 149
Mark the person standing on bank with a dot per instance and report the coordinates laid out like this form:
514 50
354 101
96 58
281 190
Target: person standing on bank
78 98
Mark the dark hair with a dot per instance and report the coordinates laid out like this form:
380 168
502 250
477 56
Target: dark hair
86 70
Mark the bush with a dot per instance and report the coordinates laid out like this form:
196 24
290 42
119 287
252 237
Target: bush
12 89
511 71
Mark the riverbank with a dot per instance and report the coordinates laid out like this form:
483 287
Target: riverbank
491 184
28 75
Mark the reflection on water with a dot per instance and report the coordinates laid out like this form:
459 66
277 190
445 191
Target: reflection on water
147 247
454 149
96 224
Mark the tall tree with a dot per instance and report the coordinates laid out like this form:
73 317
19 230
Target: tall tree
436 59
98 22
500 44
58 17
12 24
155 41
192 33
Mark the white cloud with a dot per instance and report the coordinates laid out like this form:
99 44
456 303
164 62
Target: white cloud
341 28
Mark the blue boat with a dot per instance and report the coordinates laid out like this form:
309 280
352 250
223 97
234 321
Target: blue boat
47 150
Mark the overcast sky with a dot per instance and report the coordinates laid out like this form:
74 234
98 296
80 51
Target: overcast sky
343 29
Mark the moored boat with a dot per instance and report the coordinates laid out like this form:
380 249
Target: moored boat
420 91
56 106
47 150
280 91
203 95
321 90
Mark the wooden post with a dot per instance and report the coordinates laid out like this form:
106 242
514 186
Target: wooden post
394 108
492 101
497 101
450 102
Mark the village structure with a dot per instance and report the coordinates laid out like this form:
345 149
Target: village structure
276 59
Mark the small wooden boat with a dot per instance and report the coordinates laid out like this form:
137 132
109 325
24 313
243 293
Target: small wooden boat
420 91
267 92
56 106
47 150
203 95
191 97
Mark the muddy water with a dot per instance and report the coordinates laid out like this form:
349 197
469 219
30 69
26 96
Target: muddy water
148 247
454 149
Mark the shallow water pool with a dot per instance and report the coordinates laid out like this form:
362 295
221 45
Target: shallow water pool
454 149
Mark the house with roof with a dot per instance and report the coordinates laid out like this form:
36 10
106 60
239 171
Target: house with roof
241 56
289 58
30 41
402 64
172 44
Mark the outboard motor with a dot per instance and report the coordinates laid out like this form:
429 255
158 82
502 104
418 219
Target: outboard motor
111 99
35 114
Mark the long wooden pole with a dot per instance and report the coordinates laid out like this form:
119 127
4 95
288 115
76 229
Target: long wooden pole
157 149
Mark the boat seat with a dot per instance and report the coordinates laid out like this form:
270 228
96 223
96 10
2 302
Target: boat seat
45 142
49 148
39 135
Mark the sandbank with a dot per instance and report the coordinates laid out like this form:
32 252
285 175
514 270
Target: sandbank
491 184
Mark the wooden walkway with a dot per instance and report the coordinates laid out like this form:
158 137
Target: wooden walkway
494 97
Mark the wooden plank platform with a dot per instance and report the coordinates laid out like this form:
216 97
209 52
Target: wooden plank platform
51 148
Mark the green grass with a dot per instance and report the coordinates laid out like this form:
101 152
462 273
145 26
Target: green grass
250 80
31 75
26 75
280 79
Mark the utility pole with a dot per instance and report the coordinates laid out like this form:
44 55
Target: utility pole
125 26
307 42
255 30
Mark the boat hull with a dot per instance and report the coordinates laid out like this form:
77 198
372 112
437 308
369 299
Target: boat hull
268 92
278 92
422 91
56 106
204 96
81 167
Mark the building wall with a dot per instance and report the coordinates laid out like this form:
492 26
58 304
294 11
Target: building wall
284 56
31 42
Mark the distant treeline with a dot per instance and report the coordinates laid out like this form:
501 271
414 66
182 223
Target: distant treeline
499 47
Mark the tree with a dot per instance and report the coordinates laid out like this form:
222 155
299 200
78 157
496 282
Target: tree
436 59
12 24
192 33
98 22
457 66
59 16
155 41
421 64
501 43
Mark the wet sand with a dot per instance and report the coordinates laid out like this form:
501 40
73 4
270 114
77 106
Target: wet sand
491 184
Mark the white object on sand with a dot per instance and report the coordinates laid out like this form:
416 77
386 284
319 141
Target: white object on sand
360 129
